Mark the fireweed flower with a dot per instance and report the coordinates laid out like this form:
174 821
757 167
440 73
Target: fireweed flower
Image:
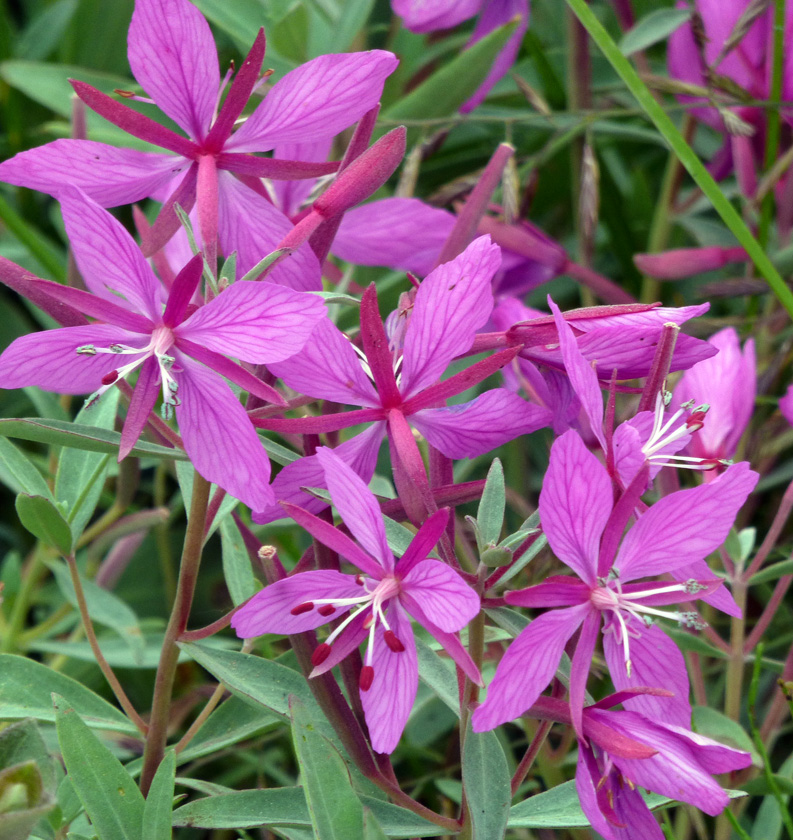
728 383
421 16
584 527
172 54
396 380
620 751
376 604
182 354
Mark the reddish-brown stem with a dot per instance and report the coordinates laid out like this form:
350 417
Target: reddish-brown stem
777 596
530 755
780 518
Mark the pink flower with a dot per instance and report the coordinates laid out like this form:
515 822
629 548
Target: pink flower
378 602
184 355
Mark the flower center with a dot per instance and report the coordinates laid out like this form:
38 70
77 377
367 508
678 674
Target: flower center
160 343
374 599
622 606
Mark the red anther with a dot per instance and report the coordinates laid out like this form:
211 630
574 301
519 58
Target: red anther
127 94
321 653
305 607
359 580
368 622
393 642
326 609
696 421
110 378
710 464
367 677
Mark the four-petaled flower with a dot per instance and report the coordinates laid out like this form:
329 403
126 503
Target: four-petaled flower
378 602
175 350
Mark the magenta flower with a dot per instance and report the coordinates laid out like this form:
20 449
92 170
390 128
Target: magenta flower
172 54
727 382
395 379
420 16
620 751
182 354
376 604
584 528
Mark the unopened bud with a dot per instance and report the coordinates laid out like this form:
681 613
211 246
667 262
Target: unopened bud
686 262
495 556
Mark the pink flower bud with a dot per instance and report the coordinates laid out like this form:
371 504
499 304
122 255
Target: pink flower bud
685 262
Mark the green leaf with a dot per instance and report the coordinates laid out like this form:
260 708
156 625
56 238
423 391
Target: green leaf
81 476
685 154
103 607
23 742
23 800
40 516
257 680
18 473
237 569
653 28
159 802
353 17
287 806
486 781
45 30
445 90
772 572
438 674
716 725
760 786
109 795
26 691
87 438
490 515
560 808
336 812
371 828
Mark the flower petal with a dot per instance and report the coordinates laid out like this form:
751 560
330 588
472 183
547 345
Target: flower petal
479 426
443 596
108 175
108 258
328 368
402 233
256 322
684 526
528 666
388 702
219 437
655 660
721 598
360 452
318 99
587 779
575 504
356 505
172 54
50 360
555 591
420 16
270 611
452 303
251 226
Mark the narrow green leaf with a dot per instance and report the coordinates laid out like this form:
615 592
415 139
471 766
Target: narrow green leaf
486 780
336 812
445 90
237 569
438 674
88 438
353 17
103 607
23 800
371 828
652 28
23 742
40 516
45 30
772 572
109 795
490 515
287 806
18 473
159 802
80 476
559 807
686 155
26 690
257 680
46 253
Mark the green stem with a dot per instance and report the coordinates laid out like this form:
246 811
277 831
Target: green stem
735 667
30 580
773 120
169 656
684 152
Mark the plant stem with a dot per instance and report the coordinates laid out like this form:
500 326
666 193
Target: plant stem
88 626
169 656
30 580
735 667
531 754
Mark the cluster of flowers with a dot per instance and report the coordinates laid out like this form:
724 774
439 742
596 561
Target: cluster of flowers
185 338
